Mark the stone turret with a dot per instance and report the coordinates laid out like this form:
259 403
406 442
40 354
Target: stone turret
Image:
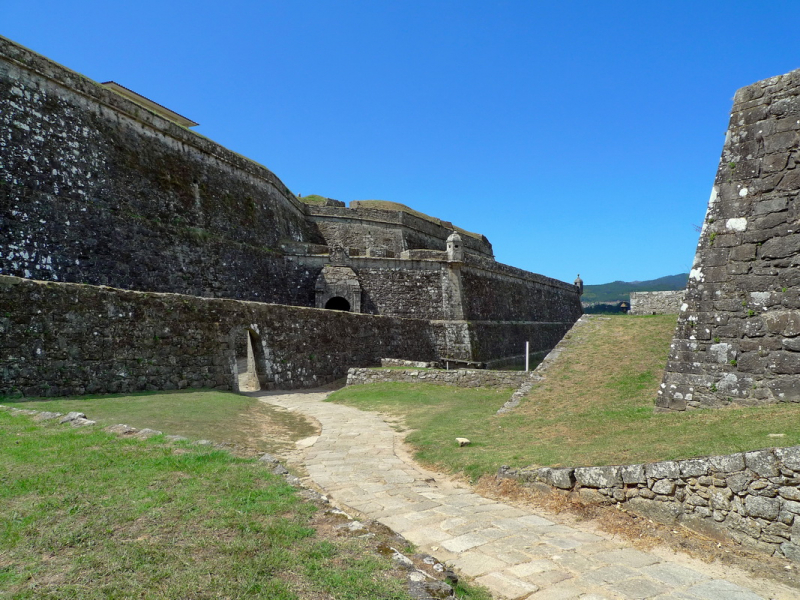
455 250
579 284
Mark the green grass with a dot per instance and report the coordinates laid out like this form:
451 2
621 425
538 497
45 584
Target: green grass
85 514
250 425
313 199
594 408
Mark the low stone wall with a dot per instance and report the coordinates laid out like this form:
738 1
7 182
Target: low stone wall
457 377
64 338
415 364
656 303
752 498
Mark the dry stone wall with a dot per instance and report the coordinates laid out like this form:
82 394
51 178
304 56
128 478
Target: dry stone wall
738 334
469 378
656 303
60 338
751 497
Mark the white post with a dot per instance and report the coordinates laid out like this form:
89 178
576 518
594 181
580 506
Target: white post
527 355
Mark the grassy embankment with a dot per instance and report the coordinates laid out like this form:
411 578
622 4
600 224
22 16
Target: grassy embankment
85 514
249 425
594 408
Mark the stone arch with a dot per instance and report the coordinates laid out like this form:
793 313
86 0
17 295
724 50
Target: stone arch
338 282
338 303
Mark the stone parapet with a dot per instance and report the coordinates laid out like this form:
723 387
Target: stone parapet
752 498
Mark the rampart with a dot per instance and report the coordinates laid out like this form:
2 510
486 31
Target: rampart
390 230
61 338
738 334
656 303
96 189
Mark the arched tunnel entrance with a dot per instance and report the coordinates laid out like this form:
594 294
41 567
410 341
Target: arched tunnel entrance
338 303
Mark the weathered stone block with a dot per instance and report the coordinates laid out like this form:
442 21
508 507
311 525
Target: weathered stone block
752 362
663 470
763 508
785 389
762 462
789 457
791 551
664 487
738 482
745 252
729 463
633 474
561 478
598 477
783 322
784 363
780 247
694 467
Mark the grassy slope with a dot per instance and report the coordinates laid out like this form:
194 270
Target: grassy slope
313 199
85 514
595 408
251 425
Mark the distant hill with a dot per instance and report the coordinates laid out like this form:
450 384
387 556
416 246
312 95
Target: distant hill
617 291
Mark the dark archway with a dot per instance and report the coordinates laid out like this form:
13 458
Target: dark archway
337 303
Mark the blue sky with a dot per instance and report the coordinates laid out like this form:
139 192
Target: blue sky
579 137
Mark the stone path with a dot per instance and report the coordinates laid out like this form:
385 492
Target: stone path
513 552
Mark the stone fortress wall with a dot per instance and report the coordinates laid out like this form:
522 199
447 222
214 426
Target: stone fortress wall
96 189
738 334
66 338
656 303
364 225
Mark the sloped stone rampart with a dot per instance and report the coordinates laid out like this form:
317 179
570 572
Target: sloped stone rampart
752 497
61 338
96 189
738 334
656 303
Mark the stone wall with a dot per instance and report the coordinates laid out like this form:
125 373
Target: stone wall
394 230
492 340
96 189
494 291
60 338
737 339
656 303
413 290
752 497
469 378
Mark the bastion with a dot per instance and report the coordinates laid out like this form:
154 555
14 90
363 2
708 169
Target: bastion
738 334
115 218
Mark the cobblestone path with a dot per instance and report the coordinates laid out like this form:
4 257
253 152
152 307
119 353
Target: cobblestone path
513 552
